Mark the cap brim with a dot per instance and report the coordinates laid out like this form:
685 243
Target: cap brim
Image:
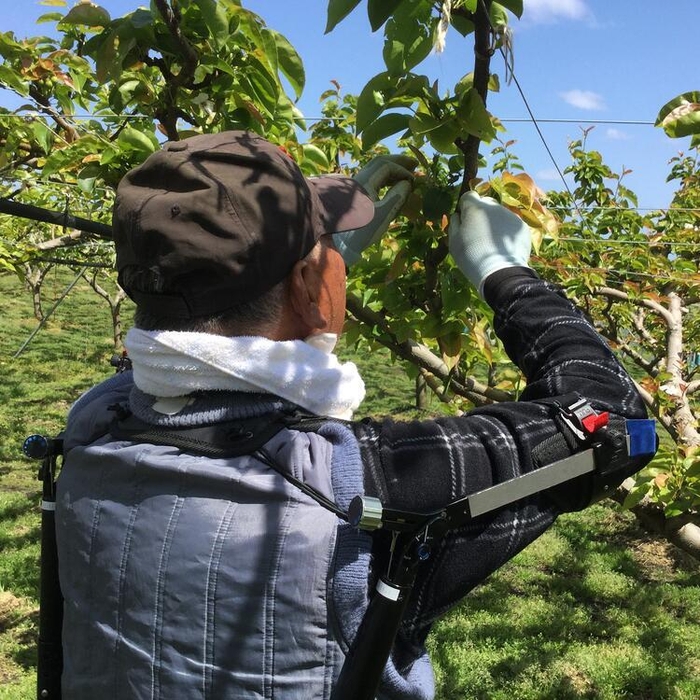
344 201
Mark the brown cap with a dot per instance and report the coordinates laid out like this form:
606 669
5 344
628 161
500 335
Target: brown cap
222 218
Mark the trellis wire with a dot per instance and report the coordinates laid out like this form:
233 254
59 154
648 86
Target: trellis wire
507 120
44 320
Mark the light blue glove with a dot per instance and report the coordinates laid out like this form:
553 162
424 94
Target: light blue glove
485 237
380 172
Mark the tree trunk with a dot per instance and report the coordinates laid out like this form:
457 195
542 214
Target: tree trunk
683 532
34 278
421 393
117 325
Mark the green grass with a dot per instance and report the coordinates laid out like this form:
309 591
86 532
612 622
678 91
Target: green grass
595 609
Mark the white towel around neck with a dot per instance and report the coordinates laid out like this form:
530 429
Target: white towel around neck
175 363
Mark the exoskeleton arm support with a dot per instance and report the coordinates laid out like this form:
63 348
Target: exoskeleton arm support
608 452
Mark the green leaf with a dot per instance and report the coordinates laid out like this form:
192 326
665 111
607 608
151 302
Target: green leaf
437 201
636 495
315 160
88 176
249 30
474 118
386 125
105 53
130 92
515 6
268 49
412 88
43 135
263 85
693 471
379 11
464 84
681 116
219 63
215 18
137 140
109 155
422 123
441 133
409 40
87 14
49 17
70 155
141 18
463 25
498 15
443 138
371 101
9 48
290 63
339 10
9 78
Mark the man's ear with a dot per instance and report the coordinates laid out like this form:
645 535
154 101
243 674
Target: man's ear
304 286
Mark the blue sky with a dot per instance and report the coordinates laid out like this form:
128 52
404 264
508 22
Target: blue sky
581 60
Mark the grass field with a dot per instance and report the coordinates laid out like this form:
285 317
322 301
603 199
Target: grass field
595 609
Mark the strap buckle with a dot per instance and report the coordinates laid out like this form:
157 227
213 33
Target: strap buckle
583 421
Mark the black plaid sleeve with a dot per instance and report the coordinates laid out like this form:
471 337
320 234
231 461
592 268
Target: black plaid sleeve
423 465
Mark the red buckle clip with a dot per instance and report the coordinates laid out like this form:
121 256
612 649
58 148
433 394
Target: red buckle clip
582 420
595 421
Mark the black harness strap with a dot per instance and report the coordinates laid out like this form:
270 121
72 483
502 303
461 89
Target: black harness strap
234 438
230 439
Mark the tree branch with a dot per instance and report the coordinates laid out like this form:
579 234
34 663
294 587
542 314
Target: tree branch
649 366
421 356
69 239
638 321
438 388
46 107
649 303
172 21
674 340
483 51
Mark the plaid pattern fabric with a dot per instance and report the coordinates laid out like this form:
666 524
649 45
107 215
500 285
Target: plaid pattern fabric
424 465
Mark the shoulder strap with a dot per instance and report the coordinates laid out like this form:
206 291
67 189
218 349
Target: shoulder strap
228 439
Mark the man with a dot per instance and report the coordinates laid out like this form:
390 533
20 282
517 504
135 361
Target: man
189 572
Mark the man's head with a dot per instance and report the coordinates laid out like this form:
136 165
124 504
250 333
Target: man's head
219 221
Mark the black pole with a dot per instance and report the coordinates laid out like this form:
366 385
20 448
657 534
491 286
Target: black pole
362 671
370 650
29 211
50 652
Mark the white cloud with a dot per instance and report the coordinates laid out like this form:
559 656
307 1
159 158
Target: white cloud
617 135
583 99
550 11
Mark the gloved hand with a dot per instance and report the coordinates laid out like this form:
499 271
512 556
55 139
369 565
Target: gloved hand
485 236
378 173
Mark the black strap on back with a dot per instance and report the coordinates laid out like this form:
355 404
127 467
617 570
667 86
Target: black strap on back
233 438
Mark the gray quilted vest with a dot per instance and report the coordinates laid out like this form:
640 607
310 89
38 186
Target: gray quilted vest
198 578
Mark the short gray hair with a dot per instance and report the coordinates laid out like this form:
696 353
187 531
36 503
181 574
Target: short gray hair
240 319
